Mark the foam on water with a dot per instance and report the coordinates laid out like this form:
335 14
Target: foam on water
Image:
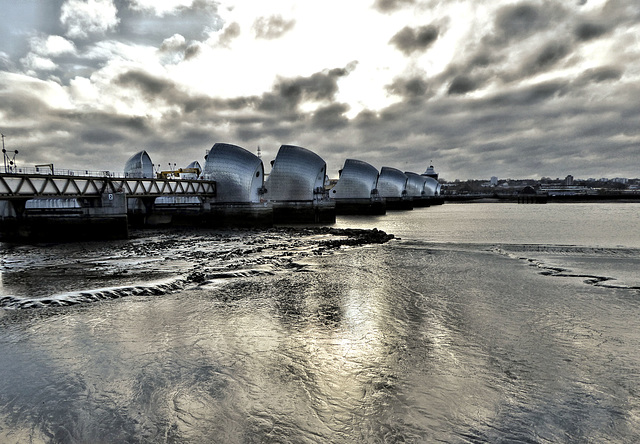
157 263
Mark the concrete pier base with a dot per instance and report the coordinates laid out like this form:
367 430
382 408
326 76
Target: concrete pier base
304 212
421 202
42 219
207 214
246 215
399 203
361 206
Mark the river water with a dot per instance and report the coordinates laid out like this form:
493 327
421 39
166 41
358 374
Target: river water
477 323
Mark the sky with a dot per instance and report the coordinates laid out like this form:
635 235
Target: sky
480 88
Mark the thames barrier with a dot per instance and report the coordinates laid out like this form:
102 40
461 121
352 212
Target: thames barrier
230 190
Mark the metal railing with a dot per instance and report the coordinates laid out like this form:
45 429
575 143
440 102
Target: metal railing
17 185
48 171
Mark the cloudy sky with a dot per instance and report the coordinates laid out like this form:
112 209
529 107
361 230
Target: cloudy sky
524 88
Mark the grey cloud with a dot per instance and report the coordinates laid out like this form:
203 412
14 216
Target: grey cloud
578 121
462 84
621 11
6 64
192 51
549 55
176 48
330 117
267 129
411 88
466 137
101 136
530 95
174 43
23 104
366 119
589 30
289 93
519 21
600 74
229 33
272 27
409 40
193 23
544 58
392 5
150 86
481 59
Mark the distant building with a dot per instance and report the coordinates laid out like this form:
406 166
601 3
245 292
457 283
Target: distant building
431 172
494 181
568 180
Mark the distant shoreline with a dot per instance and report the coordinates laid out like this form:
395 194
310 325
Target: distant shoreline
591 198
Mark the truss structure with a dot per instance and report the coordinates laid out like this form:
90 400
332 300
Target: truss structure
21 186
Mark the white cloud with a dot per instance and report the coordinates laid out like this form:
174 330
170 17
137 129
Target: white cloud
34 62
53 45
323 37
160 7
174 43
85 17
83 91
48 92
57 45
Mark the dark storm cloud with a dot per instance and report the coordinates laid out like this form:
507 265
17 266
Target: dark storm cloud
516 23
23 104
589 30
392 5
550 54
481 60
410 88
519 20
530 95
600 74
573 124
545 58
330 117
150 86
462 84
289 93
272 27
409 40
101 136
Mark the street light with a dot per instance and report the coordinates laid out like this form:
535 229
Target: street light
9 162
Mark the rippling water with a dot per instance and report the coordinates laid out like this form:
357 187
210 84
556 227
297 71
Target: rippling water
469 328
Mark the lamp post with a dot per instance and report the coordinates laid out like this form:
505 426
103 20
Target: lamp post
11 161
4 154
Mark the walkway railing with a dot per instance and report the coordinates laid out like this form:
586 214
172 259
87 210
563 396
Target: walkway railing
18 185
47 170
